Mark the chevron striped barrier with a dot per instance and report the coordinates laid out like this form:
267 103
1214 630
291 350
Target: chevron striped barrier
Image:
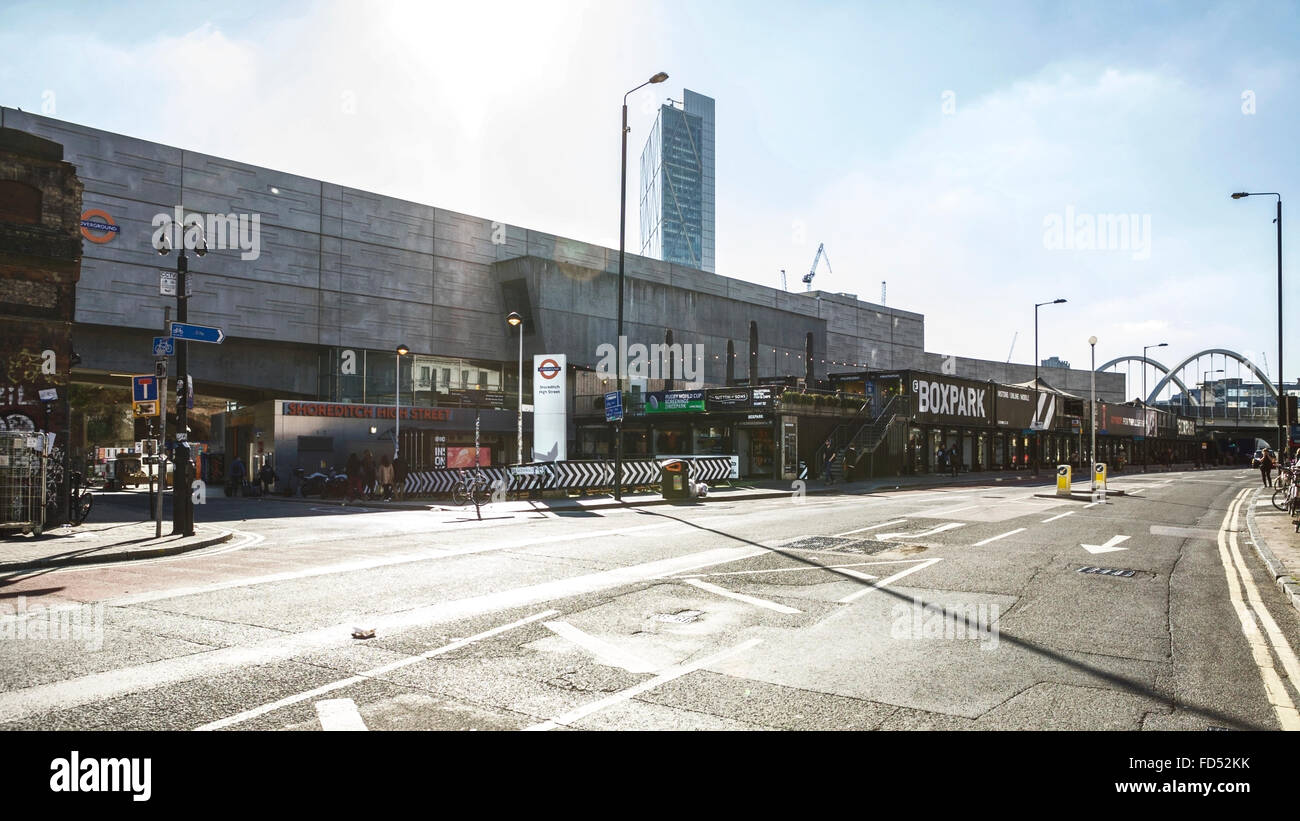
572 474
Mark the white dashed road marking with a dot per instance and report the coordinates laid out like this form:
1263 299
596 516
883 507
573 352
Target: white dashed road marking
1000 536
339 714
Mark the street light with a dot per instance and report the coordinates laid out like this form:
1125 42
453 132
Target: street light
1146 348
1038 444
182 502
518 321
1092 407
1205 376
402 351
1281 383
622 230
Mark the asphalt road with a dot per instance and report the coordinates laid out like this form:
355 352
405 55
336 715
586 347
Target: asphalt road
961 608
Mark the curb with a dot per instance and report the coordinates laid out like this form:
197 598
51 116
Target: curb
124 556
1290 589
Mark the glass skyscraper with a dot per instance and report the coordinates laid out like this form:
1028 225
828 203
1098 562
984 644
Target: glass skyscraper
677 184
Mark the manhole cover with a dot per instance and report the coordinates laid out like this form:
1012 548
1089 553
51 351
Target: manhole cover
1108 571
680 617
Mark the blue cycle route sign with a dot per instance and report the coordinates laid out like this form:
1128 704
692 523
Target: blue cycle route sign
197 333
164 346
613 406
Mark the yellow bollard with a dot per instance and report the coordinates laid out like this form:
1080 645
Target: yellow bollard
1099 474
1064 474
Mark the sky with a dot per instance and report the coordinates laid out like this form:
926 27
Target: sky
961 152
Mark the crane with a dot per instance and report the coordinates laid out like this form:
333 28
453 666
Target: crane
821 252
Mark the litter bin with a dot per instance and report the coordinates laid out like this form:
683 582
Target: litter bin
675 479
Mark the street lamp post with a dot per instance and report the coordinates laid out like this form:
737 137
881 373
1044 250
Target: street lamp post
1205 378
518 321
622 231
1038 442
402 351
182 503
1281 403
1092 408
1145 398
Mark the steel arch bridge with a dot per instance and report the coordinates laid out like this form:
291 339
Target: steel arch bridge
1171 374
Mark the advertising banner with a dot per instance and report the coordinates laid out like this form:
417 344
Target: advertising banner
738 399
1014 407
674 401
949 400
1186 427
1117 420
550 422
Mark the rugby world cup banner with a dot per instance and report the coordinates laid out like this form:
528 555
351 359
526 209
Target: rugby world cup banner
949 400
550 439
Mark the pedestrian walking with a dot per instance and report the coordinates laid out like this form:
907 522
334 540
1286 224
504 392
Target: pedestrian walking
384 477
828 464
266 478
353 469
399 477
1266 468
954 459
237 475
368 474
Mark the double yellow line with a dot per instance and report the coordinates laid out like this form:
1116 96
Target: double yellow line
1253 616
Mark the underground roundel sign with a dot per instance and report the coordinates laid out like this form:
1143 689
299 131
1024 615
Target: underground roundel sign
98 226
549 369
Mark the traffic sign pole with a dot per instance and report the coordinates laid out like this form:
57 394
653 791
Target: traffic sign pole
182 511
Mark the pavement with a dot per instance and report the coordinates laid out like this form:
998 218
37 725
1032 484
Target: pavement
1276 540
97 542
973 606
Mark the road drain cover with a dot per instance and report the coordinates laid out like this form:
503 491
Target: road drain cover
1108 571
840 544
680 617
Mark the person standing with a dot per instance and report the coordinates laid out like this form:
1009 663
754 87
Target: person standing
850 464
237 473
1266 468
353 469
399 476
384 477
954 459
266 478
368 474
828 463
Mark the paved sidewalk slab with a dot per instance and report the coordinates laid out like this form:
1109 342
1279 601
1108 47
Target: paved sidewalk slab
93 543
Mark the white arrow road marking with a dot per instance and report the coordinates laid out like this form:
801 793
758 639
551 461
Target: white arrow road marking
1108 547
941 528
604 652
339 714
722 591
663 678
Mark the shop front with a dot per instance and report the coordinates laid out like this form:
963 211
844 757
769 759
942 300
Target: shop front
320 435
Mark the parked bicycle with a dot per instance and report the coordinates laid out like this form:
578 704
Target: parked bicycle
472 487
1284 488
79 501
